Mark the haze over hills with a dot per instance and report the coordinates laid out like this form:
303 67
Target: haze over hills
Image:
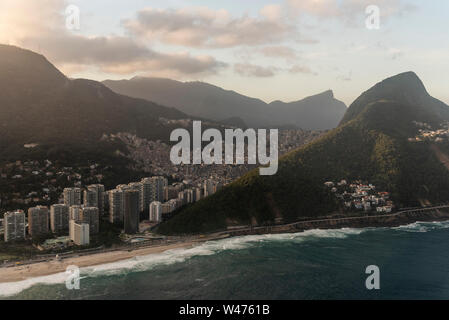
39 104
65 119
321 111
371 144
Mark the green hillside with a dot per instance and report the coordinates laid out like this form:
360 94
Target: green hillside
371 144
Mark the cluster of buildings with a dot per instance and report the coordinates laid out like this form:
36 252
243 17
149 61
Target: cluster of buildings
79 219
361 196
153 196
180 194
80 210
426 133
154 156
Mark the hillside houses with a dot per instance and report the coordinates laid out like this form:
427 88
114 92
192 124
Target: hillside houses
426 133
359 196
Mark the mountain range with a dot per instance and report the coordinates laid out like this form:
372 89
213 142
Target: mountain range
39 104
318 112
65 119
374 143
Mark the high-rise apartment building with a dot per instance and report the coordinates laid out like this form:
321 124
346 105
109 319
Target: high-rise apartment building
208 187
72 196
79 233
131 211
14 225
59 218
116 205
171 192
155 211
166 208
94 197
152 189
75 213
187 196
91 216
38 218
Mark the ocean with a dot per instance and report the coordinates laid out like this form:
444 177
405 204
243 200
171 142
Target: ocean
413 261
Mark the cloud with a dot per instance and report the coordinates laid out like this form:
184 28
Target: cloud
272 12
347 10
207 28
41 26
119 55
279 52
251 70
301 69
319 8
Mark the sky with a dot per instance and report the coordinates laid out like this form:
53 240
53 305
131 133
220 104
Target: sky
272 50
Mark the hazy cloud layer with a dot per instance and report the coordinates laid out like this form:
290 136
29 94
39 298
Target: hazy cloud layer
206 28
252 70
301 69
347 10
279 52
119 55
250 42
39 25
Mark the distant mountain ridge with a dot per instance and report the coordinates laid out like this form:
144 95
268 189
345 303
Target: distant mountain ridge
39 104
321 111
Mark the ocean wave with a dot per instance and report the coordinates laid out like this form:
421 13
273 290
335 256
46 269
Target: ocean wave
12 288
172 256
421 226
147 262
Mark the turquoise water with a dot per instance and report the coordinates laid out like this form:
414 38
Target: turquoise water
317 264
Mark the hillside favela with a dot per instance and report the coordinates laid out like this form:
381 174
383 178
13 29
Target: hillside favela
224 150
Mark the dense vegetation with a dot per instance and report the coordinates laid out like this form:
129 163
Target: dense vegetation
370 145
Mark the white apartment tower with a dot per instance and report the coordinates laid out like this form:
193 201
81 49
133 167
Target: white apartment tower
79 233
155 211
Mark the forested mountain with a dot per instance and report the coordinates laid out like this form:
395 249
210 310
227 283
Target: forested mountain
373 144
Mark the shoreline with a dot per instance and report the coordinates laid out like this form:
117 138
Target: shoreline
41 269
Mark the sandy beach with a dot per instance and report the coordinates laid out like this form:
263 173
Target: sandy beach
24 272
